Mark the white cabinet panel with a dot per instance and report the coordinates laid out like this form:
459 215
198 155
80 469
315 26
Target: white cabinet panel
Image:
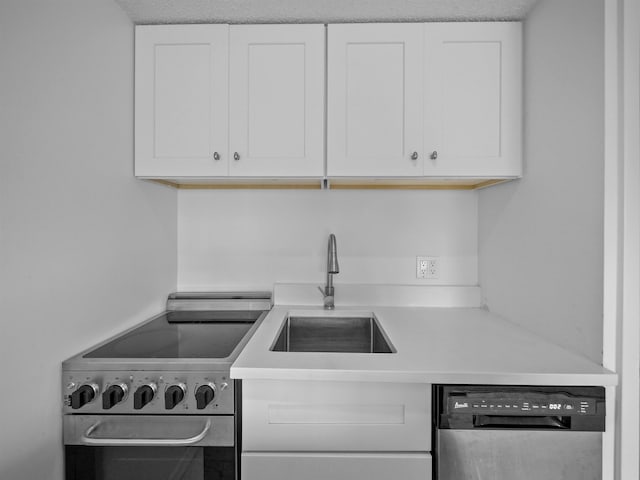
181 118
181 100
337 416
374 100
471 119
249 101
473 115
335 466
375 68
277 100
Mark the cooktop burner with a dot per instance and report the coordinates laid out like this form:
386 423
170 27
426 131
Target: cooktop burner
183 334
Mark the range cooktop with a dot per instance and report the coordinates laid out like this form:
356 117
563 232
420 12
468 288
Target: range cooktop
175 363
184 334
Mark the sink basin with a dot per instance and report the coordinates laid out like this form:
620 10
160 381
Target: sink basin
335 333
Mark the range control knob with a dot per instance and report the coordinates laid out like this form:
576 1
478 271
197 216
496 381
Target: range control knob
173 395
143 395
205 395
83 395
114 395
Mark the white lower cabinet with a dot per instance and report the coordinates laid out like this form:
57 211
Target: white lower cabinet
299 429
320 416
335 466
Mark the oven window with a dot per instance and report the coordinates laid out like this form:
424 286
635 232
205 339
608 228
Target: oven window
158 463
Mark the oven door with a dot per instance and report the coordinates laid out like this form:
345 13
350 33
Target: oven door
110 447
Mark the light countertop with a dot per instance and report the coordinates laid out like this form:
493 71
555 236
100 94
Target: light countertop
444 344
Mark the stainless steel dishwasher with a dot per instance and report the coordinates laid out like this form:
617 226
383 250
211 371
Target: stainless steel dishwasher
518 432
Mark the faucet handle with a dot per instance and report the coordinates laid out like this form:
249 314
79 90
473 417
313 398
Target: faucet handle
326 291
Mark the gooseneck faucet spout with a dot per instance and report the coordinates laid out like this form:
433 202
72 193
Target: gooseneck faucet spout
332 269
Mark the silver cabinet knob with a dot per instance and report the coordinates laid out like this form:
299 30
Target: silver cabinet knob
414 156
434 155
236 156
216 156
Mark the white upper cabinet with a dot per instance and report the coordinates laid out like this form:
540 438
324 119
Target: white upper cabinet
181 100
269 122
432 100
472 99
374 109
426 102
276 92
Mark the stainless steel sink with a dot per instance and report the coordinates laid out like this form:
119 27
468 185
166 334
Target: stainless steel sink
335 333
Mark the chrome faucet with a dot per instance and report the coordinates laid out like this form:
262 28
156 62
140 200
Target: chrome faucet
332 269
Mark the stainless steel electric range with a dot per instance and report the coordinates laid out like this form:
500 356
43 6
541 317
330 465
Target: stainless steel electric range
157 401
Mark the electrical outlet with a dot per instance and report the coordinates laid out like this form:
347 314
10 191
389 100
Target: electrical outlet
427 268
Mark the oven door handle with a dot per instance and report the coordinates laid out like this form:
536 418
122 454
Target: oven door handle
143 442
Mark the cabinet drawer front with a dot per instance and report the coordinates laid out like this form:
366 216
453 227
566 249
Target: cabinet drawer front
335 466
336 416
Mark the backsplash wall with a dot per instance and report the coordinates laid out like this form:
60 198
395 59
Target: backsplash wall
239 239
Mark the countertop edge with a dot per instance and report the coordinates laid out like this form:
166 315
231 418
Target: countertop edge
605 379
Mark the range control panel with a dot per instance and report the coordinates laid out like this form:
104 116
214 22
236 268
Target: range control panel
496 403
148 392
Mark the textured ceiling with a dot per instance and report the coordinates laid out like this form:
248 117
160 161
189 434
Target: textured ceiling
321 11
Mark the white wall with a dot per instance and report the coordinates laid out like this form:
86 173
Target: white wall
253 238
541 238
85 249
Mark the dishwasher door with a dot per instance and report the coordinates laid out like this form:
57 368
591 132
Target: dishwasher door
519 455
501 432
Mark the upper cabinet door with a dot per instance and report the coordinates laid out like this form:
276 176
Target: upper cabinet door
181 100
473 95
374 105
276 114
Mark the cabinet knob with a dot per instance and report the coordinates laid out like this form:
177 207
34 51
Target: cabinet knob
216 156
434 155
414 156
236 156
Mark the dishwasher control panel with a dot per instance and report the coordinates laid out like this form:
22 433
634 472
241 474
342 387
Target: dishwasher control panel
519 407
507 403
